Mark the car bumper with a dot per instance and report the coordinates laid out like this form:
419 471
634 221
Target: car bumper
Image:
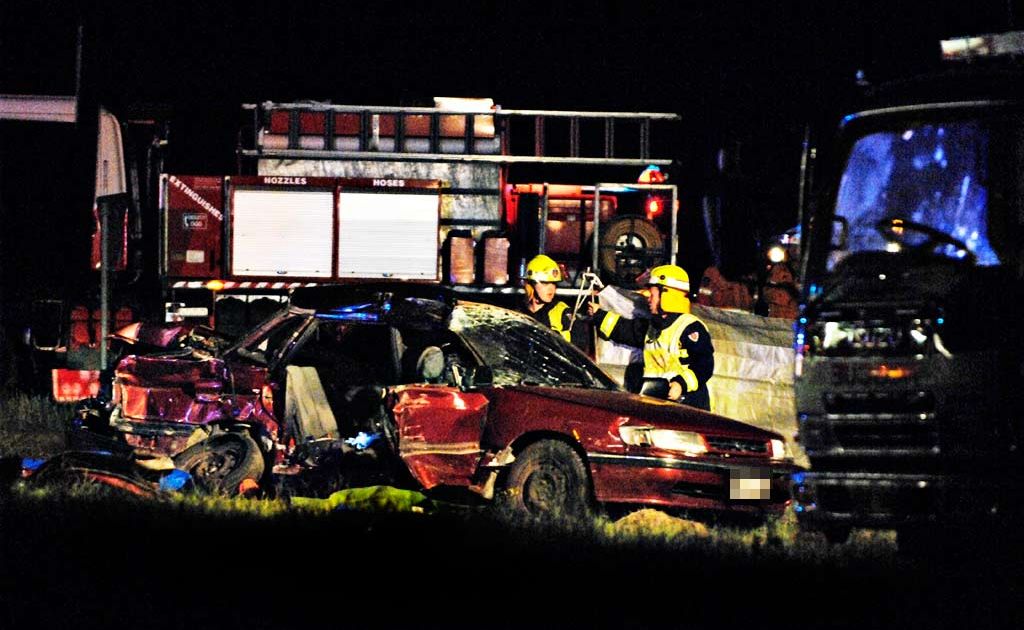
165 438
892 500
691 484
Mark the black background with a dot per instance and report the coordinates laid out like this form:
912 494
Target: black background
744 76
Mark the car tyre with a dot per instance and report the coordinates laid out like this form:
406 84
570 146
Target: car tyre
220 463
547 481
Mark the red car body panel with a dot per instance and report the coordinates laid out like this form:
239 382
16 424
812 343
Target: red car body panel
439 431
163 400
632 474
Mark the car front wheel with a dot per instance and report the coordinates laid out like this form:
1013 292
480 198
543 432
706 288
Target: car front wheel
547 481
220 463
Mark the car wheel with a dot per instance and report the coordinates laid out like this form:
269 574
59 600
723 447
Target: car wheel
548 481
220 463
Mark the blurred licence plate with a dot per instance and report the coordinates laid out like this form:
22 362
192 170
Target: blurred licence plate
749 484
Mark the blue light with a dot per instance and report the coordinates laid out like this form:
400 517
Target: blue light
803 320
798 478
940 321
175 480
798 508
350 317
362 440
848 118
31 463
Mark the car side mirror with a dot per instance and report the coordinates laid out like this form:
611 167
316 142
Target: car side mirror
478 376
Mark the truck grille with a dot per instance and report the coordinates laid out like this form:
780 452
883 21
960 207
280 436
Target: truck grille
888 434
879 402
737 445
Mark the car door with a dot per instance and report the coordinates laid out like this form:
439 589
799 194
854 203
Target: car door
439 424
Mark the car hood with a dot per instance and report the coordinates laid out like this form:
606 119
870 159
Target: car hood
661 413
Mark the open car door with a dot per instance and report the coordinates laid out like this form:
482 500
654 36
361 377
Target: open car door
439 424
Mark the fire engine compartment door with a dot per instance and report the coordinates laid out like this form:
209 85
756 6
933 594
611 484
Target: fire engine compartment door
384 234
439 429
281 232
193 224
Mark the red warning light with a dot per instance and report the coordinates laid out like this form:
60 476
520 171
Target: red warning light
654 206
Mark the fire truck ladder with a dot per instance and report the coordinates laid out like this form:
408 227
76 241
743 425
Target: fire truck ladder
428 134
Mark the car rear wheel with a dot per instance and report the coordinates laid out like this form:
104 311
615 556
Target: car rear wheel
220 463
547 481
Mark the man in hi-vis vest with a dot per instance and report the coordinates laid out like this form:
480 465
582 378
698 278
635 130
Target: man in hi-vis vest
677 346
542 275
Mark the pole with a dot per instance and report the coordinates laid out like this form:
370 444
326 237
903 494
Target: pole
104 211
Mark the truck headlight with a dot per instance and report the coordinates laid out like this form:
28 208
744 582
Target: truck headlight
687 442
778 449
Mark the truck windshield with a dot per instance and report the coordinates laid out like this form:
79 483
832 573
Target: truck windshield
935 174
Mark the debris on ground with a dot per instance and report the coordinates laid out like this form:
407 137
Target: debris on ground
372 498
644 522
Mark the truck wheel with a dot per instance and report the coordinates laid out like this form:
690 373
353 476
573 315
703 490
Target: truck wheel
629 246
547 481
219 463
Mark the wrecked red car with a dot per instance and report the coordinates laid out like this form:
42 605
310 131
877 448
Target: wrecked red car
440 394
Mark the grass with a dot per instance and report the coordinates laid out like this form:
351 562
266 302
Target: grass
31 426
199 561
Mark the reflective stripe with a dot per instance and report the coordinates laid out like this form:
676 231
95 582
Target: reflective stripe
555 319
662 353
608 323
691 380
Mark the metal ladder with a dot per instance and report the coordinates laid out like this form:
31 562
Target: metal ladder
579 146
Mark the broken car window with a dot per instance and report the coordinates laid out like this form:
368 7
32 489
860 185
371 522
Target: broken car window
521 351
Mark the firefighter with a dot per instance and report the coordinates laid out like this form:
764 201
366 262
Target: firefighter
676 345
542 274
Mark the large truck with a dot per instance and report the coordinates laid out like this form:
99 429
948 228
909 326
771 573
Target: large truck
908 346
328 194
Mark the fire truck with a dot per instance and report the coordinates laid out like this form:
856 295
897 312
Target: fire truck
328 194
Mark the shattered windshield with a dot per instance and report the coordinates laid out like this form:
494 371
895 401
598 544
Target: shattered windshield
934 174
520 350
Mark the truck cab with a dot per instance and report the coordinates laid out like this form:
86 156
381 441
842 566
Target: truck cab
908 344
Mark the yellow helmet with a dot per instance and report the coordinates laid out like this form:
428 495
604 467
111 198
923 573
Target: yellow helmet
675 288
542 269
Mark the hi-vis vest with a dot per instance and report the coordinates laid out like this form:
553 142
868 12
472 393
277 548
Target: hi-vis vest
555 320
663 352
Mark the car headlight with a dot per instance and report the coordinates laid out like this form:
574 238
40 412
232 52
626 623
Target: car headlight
687 442
778 449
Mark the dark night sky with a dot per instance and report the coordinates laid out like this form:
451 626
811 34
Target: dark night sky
752 73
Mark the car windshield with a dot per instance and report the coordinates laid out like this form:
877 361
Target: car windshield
521 351
945 175
270 338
